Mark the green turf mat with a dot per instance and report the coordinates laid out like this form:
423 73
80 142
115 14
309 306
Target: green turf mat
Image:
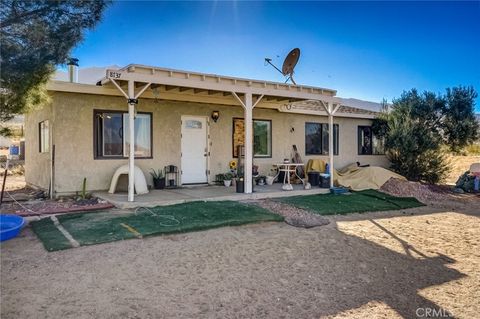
101 227
356 202
49 235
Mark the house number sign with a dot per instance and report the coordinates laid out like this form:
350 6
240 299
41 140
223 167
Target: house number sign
114 75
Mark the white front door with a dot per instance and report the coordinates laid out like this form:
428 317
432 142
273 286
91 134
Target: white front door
194 149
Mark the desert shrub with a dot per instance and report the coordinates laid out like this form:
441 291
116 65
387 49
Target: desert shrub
414 149
472 149
420 129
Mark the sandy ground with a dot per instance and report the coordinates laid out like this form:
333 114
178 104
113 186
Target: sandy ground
376 265
14 182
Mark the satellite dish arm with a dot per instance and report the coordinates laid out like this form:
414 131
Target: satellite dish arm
290 77
267 60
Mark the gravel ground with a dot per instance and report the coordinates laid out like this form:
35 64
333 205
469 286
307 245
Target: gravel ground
293 216
427 194
373 265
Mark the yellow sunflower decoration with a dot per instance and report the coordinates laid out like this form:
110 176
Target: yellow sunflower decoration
233 164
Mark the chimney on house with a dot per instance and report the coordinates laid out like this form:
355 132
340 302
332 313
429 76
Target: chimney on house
72 70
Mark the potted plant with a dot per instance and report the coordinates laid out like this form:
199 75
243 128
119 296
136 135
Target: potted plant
255 170
233 169
271 177
240 185
227 181
260 180
158 179
219 178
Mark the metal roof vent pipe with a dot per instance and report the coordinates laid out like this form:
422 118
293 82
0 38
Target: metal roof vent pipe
72 70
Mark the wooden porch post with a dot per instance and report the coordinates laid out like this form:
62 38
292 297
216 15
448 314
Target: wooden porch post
248 106
330 142
330 108
131 136
248 112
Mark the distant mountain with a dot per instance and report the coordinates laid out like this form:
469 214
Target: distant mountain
17 120
361 104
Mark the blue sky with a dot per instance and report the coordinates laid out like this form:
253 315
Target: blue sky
365 50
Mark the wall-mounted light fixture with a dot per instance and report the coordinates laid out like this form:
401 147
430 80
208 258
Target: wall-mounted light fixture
215 116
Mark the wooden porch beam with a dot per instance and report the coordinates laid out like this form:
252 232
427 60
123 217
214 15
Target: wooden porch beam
169 87
196 91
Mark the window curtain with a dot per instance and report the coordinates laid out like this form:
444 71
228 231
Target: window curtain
142 135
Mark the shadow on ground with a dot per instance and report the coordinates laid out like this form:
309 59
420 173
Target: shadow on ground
264 271
364 272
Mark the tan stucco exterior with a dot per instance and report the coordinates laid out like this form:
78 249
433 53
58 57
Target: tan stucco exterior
37 164
72 126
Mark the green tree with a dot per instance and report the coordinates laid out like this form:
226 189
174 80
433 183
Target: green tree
413 139
35 36
459 124
418 125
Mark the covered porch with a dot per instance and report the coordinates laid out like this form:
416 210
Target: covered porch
137 81
166 197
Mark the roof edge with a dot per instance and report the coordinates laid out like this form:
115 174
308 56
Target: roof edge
134 65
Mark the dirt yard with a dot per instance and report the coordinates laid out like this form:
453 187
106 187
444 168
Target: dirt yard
378 265
14 182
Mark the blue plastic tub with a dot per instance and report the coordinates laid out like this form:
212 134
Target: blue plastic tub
339 190
10 226
14 150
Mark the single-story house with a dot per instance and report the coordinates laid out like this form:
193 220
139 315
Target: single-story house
192 120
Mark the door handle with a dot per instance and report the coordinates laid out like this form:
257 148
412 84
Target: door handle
205 154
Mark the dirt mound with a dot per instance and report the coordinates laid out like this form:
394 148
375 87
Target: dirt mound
423 192
293 216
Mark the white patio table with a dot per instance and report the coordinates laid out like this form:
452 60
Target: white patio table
289 168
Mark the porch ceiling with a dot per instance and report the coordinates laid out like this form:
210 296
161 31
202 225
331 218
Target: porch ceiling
175 83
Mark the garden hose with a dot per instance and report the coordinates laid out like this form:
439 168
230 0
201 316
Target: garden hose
171 218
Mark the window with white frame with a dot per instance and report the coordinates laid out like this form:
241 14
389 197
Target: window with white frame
112 136
262 137
368 143
316 138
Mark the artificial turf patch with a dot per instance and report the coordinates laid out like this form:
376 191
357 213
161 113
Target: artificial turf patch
356 202
102 227
49 235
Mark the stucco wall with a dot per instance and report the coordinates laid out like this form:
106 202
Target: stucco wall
74 138
37 165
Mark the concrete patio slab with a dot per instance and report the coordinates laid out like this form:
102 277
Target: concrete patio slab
166 197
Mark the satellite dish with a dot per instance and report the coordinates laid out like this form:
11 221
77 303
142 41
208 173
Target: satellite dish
288 65
290 62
